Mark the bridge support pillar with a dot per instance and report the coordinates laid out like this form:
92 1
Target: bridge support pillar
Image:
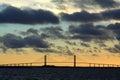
74 60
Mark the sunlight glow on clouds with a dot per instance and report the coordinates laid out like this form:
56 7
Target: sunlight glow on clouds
35 4
83 20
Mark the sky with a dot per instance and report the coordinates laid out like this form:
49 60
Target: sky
89 29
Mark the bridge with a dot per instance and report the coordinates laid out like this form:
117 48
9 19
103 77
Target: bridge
45 63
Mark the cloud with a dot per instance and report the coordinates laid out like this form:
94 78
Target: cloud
33 31
111 14
85 44
92 3
13 41
116 29
35 41
30 31
46 50
115 49
85 29
27 16
106 3
85 16
102 3
52 32
89 5
4 49
88 32
70 43
60 4
112 50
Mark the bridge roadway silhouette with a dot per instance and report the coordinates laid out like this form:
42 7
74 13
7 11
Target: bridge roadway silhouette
45 64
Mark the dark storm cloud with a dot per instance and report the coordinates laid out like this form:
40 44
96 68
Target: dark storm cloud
84 16
13 41
27 16
52 32
88 32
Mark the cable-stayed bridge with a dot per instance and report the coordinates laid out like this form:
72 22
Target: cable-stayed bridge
46 63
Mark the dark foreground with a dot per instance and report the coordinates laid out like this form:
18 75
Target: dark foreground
59 73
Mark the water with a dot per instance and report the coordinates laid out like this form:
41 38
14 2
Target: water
38 73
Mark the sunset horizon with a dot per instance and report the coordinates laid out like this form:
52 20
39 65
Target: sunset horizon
60 29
